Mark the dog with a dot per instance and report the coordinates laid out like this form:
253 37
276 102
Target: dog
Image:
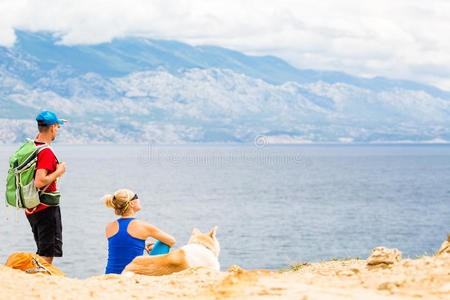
201 250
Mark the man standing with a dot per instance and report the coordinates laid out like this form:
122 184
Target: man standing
45 220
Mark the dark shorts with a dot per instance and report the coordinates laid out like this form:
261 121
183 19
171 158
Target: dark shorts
47 231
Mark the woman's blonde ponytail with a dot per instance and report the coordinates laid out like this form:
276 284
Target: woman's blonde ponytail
119 201
108 199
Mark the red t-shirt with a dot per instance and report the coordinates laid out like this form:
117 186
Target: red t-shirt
46 160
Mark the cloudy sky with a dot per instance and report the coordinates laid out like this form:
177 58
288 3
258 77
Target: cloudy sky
406 39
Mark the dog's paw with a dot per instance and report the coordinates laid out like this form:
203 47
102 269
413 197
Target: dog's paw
128 274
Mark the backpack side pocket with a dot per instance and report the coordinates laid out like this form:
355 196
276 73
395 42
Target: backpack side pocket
30 195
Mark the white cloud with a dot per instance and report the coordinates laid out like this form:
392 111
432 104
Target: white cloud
394 38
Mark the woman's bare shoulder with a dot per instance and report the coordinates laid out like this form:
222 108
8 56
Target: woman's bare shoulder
139 229
140 224
112 224
111 228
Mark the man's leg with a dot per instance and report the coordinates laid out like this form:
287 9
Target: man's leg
48 259
47 231
34 223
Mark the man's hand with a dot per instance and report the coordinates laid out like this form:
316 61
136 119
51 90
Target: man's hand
60 168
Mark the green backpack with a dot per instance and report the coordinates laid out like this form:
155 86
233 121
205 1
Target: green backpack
20 189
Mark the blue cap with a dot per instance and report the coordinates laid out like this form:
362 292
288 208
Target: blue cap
48 118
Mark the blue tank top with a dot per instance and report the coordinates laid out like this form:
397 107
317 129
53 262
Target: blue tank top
123 248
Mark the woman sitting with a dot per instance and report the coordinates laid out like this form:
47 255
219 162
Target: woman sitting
126 236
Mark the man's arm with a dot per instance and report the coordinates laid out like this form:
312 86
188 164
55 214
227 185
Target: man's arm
43 179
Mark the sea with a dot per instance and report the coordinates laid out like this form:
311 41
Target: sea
274 205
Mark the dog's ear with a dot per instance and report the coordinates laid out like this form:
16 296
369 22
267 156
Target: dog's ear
212 234
196 232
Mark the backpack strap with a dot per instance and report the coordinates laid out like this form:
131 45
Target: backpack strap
39 267
42 147
46 187
39 149
46 146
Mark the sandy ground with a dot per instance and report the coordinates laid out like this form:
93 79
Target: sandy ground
425 278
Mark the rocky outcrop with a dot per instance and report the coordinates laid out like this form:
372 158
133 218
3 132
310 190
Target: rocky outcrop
383 255
445 247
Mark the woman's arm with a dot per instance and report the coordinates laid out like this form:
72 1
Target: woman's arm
143 230
156 233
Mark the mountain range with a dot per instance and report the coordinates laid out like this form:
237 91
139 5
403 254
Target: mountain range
139 90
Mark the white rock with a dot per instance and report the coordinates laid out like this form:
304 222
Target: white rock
383 255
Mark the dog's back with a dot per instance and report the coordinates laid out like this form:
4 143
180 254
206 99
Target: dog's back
174 261
202 250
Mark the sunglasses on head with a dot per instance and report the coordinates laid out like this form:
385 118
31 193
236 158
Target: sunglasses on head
134 197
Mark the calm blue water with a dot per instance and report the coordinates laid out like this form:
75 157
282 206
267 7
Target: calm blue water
273 205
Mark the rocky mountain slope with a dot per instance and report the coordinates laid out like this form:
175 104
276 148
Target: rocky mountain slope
136 90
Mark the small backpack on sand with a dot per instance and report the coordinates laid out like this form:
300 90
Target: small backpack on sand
20 189
32 263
